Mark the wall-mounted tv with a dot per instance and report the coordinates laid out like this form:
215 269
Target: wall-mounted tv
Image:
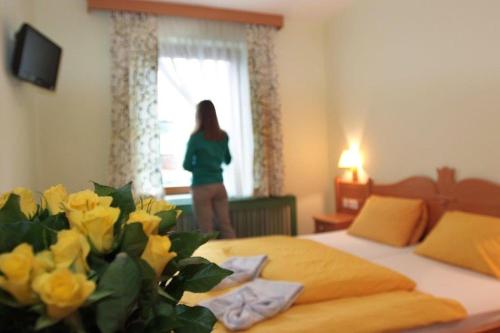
36 58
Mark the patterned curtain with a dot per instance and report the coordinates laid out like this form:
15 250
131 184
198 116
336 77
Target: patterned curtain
135 142
266 113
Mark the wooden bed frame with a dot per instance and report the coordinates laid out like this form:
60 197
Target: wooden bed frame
471 195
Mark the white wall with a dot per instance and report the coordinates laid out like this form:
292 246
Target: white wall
74 122
300 51
418 83
17 125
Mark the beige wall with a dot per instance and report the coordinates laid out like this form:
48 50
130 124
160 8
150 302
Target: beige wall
74 122
300 54
17 125
418 82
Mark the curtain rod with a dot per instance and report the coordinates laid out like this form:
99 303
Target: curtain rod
192 11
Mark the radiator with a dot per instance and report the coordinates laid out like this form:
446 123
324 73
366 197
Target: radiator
251 217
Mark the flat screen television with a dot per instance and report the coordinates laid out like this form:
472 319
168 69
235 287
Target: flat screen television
36 58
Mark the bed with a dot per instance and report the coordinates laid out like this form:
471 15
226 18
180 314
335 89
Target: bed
482 302
432 277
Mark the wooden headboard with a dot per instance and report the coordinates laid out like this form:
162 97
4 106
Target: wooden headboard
470 195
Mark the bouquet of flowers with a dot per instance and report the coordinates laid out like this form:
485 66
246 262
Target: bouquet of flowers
99 261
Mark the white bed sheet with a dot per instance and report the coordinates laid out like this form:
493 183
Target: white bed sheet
360 247
478 293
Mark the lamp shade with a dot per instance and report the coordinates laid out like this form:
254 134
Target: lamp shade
349 159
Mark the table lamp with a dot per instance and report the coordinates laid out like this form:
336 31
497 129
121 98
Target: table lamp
351 159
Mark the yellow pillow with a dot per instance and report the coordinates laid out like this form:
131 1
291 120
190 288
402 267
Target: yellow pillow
468 240
394 221
420 227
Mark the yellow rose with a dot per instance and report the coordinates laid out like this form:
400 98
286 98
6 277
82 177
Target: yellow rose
54 198
153 206
150 223
75 219
44 262
17 267
86 200
157 254
27 201
63 291
98 225
71 250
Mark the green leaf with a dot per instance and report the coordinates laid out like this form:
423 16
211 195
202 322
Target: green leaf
165 319
11 235
122 197
192 261
8 300
44 321
11 210
166 296
175 265
164 309
123 280
38 308
148 274
137 326
196 274
168 221
56 222
103 190
149 290
134 239
203 277
196 319
162 324
42 213
185 243
36 234
39 236
97 264
175 289
98 296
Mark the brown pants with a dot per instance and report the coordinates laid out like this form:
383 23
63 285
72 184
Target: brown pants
210 200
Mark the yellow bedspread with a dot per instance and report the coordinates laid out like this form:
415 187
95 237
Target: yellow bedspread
326 273
342 293
386 312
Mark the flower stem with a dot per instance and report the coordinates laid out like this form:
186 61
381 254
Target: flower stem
75 323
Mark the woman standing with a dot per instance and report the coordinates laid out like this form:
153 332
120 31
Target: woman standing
207 149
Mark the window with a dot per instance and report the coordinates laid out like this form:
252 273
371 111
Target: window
194 70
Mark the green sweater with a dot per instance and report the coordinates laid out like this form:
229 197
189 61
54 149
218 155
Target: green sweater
204 159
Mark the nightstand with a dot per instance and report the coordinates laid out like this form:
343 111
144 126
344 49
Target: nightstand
332 222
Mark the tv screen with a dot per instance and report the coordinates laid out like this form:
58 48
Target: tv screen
36 58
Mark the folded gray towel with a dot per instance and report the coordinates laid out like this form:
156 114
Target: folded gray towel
253 302
244 269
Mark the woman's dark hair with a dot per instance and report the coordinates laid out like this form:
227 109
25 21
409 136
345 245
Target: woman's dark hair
206 121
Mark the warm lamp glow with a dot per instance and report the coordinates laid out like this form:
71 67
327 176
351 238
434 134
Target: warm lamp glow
351 159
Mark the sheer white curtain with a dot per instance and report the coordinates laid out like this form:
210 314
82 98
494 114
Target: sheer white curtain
208 60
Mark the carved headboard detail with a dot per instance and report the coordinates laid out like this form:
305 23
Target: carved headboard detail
470 195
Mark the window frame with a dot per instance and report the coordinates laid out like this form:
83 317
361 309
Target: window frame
174 190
